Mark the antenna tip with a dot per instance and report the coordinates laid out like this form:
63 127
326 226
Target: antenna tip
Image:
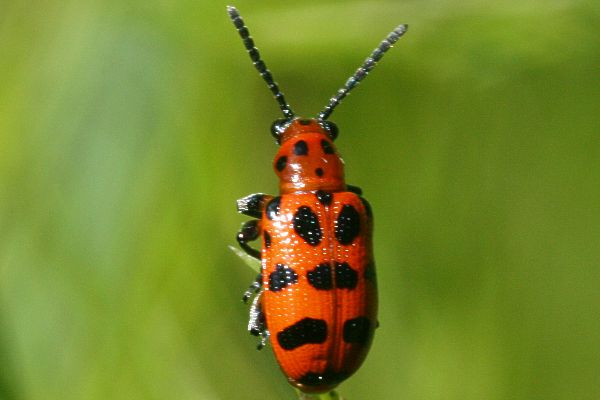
232 11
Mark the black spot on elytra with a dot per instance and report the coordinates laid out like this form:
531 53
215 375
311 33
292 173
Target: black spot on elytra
357 330
319 172
348 225
281 163
306 225
324 197
305 331
272 208
345 276
267 239
320 277
327 378
327 147
280 278
300 148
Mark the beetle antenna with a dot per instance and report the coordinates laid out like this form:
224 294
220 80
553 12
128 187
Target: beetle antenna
363 70
258 62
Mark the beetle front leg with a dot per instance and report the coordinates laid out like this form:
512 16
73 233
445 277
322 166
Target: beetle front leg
250 231
253 204
354 189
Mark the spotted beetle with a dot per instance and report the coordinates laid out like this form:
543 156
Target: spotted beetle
316 297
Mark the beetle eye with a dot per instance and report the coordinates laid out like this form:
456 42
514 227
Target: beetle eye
278 127
331 129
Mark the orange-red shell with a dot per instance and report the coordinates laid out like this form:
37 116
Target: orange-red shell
318 367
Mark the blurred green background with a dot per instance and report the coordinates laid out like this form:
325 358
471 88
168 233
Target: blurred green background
129 129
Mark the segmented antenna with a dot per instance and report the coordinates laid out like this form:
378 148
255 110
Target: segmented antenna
258 62
363 70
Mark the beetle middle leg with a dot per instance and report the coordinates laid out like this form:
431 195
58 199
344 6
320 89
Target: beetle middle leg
257 324
253 289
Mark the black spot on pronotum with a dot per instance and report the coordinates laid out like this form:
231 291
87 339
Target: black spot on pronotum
347 225
320 277
272 208
306 225
357 330
300 148
267 239
281 163
345 276
327 147
304 121
319 172
305 331
282 277
324 197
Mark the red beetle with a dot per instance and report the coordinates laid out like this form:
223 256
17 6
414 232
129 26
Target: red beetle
316 297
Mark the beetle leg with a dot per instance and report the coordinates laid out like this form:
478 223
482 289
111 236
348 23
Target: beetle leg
253 289
264 337
253 204
257 325
354 189
249 231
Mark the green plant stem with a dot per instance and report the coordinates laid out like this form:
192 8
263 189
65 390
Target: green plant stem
333 395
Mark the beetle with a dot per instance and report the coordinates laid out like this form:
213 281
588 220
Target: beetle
315 299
